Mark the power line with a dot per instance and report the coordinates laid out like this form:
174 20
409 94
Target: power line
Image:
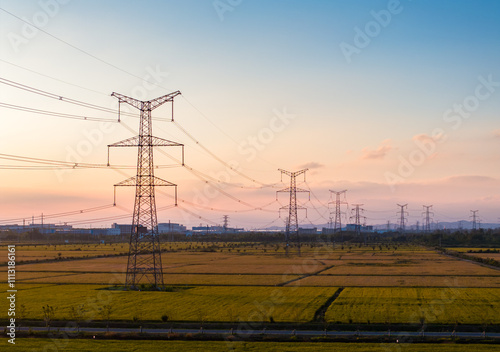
210 121
81 50
230 167
115 67
53 78
55 114
50 164
59 215
62 98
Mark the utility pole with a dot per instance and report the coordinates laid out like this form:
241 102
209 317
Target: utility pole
144 258
427 218
226 222
357 219
292 225
388 225
474 219
403 213
338 213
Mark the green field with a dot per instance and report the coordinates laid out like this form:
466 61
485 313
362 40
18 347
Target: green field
409 305
211 346
228 282
203 303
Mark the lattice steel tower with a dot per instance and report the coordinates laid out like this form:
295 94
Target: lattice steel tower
474 219
225 222
357 219
427 222
403 215
292 225
338 212
144 258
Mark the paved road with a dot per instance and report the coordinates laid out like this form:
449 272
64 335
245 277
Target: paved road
249 332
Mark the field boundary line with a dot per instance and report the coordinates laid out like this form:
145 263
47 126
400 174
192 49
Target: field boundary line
305 275
319 315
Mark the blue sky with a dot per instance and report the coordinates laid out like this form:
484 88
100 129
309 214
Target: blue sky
355 120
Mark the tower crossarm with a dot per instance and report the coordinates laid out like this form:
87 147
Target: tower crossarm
147 181
141 105
153 142
146 142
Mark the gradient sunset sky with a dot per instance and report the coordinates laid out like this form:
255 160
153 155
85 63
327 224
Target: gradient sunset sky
395 101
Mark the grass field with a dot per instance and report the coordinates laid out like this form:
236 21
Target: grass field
231 281
204 303
222 346
405 267
284 304
408 305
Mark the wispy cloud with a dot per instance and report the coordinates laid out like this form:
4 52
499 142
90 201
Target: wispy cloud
496 133
379 153
423 137
312 165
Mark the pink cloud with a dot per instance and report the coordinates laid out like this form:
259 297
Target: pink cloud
312 165
379 153
423 137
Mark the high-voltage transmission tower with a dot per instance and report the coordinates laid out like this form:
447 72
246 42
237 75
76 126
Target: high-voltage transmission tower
427 218
402 220
357 219
225 219
474 219
292 223
338 213
144 258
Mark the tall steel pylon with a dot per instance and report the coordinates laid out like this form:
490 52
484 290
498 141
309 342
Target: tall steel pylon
225 222
474 219
292 225
144 258
427 219
338 212
403 215
357 219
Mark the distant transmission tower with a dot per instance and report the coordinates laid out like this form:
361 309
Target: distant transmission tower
144 258
403 213
357 219
427 218
292 224
338 213
474 219
226 222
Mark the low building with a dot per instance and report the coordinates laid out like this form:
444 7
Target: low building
169 227
352 227
308 231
